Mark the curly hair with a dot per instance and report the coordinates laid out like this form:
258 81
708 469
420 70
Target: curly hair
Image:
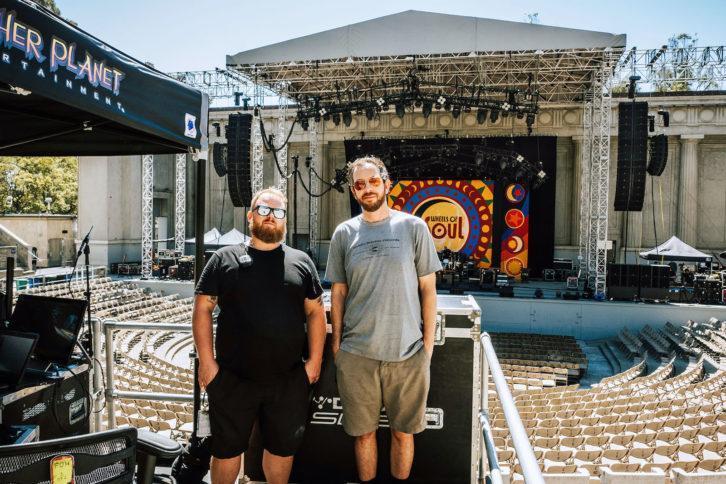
367 159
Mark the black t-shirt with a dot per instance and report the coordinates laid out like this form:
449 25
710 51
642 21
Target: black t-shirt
260 327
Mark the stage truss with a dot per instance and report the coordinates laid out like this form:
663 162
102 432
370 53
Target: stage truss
314 169
147 214
584 76
180 204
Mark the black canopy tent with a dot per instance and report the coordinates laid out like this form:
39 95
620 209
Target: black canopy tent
65 92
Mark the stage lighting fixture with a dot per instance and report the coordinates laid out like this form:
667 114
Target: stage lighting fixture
437 105
481 116
322 111
467 109
631 87
441 100
417 103
479 158
336 119
447 107
426 109
505 114
502 163
520 158
651 123
326 117
380 101
305 124
506 106
520 115
493 116
347 118
369 113
456 111
530 119
400 109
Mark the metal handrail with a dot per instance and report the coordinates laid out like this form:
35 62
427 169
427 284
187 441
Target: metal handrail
495 473
528 462
109 326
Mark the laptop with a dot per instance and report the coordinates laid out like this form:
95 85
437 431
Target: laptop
15 350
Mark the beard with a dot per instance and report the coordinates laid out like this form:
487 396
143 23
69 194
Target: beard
268 235
372 205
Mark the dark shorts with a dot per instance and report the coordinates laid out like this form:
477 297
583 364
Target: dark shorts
281 407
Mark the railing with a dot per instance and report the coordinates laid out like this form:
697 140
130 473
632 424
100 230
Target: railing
522 447
112 394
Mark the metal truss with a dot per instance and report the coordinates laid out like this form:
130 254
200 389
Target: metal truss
313 218
147 214
257 166
595 176
218 84
560 75
674 68
180 204
280 141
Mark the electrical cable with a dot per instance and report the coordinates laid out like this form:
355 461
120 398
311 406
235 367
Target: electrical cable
307 190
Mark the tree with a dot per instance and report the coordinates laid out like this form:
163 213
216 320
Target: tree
50 5
533 18
28 182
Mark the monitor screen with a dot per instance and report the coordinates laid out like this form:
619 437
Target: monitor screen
15 349
56 320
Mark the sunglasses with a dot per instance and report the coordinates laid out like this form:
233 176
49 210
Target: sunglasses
374 182
264 211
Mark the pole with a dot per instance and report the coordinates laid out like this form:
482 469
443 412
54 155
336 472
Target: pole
295 160
198 265
86 256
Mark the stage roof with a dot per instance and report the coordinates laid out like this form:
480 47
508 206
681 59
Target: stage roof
558 62
65 92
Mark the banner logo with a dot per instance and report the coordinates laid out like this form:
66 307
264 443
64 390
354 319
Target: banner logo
190 126
458 213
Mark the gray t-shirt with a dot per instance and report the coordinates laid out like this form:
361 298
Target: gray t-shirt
381 263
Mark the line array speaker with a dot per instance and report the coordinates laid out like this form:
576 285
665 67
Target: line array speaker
239 182
658 154
219 158
632 156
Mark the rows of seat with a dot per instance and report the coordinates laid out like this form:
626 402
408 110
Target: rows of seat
631 422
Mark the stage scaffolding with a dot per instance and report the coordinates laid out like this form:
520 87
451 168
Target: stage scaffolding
147 214
585 75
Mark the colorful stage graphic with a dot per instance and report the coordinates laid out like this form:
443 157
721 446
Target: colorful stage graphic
515 235
458 213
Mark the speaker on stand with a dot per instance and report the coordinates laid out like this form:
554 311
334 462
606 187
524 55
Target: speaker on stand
239 129
632 156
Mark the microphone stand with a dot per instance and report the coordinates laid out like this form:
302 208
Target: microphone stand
87 293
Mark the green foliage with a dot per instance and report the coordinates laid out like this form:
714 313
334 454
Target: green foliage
674 78
50 5
29 181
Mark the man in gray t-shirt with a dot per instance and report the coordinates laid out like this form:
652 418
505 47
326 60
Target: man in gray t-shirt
382 264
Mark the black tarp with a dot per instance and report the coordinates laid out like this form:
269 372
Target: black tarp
64 92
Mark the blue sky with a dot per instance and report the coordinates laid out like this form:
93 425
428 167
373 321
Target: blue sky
185 35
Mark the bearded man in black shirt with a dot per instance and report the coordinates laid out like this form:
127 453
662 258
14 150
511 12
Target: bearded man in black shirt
265 363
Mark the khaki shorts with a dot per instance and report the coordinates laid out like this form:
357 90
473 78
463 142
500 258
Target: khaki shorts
366 385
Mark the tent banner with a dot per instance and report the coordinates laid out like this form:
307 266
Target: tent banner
48 56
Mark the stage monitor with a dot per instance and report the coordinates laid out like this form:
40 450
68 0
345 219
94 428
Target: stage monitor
57 322
15 351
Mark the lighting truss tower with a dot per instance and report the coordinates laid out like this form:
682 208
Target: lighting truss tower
180 204
257 166
595 174
314 188
280 141
147 213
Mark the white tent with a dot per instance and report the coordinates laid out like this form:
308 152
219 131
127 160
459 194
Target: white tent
210 238
233 237
674 249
